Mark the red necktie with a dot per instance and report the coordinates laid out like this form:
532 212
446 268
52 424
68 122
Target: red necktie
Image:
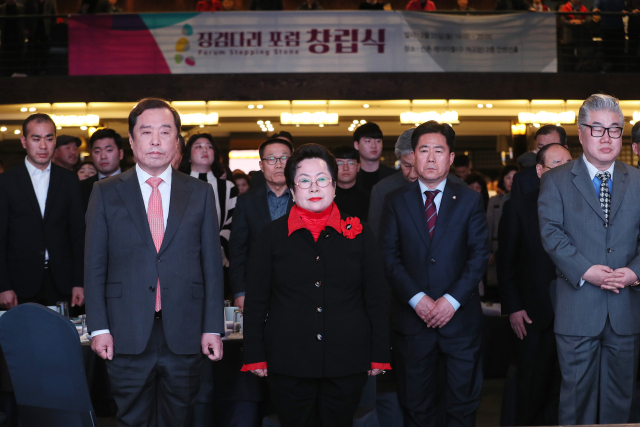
430 210
156 223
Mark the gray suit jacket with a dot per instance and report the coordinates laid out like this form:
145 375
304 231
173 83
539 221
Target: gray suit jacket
575 235
122 265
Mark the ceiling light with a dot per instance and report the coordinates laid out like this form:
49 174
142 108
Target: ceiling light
23 109
519 129
3 129
544 117
83 127
632 122
259 106
17 132
366 105
201 126
32 109
356 122
536 125
321 125
636 116
260 122
489 105
411 117
58 127
268 122
306 118
480 105
363 122
199 119
76 121
251 107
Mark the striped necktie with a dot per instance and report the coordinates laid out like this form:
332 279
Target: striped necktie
430 210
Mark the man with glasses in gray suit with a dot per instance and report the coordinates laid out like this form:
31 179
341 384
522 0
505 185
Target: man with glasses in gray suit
590 228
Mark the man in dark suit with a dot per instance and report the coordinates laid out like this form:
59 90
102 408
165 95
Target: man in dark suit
255 209
433 236
367 139
41 225
106 152
525 274
154 276
590 228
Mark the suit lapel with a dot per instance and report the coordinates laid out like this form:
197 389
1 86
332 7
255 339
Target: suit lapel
180 195
262 204
129 190
584 184
619 188
413 198
27 185
54 183
448 205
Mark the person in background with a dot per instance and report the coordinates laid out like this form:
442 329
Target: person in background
257 208
66 153
426 5
242 180
209 6
613 34
310 5
318 264
461 166
463 6
478 183
494 212
266 5
86 170
106 152
371 5
525 276
201 157
228 5
512 5
367 139
635 141
350 199
537 6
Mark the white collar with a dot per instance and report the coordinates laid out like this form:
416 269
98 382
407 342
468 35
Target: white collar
33 170
144 176
594 170
101 176
440 186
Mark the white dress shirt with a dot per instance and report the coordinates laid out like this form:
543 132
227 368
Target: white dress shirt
417 297
40 180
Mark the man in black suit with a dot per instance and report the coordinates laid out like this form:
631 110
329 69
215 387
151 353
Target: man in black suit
433 236
41 225
255 209
367 139
106 152
525 275
154 276
66 152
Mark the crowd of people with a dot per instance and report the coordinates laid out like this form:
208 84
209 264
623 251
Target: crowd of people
344 267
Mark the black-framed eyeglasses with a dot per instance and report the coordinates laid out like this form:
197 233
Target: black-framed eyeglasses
305 183
273 160
598 131
350 163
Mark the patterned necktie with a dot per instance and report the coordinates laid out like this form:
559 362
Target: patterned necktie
605 196
156 223
430 210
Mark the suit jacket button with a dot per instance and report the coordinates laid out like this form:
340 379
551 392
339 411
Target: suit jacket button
319 309
159 259
319 337
151 288
608 250
605 225
432 261
317 257
318 283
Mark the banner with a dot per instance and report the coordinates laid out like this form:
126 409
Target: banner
310 42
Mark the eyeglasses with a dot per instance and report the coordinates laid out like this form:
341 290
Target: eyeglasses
598 131
305 183
350 163
273 160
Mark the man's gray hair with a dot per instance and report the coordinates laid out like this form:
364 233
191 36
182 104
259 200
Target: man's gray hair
403 144
598 102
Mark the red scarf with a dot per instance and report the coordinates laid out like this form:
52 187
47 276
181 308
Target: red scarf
315 222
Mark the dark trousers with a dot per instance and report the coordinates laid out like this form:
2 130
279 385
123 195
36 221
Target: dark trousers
155 387
48 293
417 369
313 402
598 377
538 379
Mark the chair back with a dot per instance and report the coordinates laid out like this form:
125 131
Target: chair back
44 357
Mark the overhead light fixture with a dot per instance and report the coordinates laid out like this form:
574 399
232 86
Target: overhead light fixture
519 129
260 106
412 117
544 117
24 109
366 105
3 129
76 121
489 105
306 118
631 122
83 128
17 132
480 105
356 124
636 116
251 106
193 119
32 109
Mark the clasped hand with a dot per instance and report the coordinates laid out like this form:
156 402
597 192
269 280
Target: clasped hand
609 279
435 314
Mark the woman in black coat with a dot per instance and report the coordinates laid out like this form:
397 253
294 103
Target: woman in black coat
316 318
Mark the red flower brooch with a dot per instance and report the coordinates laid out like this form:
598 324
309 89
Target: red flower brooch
351 227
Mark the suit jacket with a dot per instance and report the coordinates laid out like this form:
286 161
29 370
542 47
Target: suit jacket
525 271
524 182
576 236
452 262
25 234
333 288
122 265
384 187
86 186
249 218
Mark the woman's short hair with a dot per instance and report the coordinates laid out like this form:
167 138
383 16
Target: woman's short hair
216 166
505 171
309 151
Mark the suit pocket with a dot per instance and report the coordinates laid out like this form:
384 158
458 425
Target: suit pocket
113 290
197 290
